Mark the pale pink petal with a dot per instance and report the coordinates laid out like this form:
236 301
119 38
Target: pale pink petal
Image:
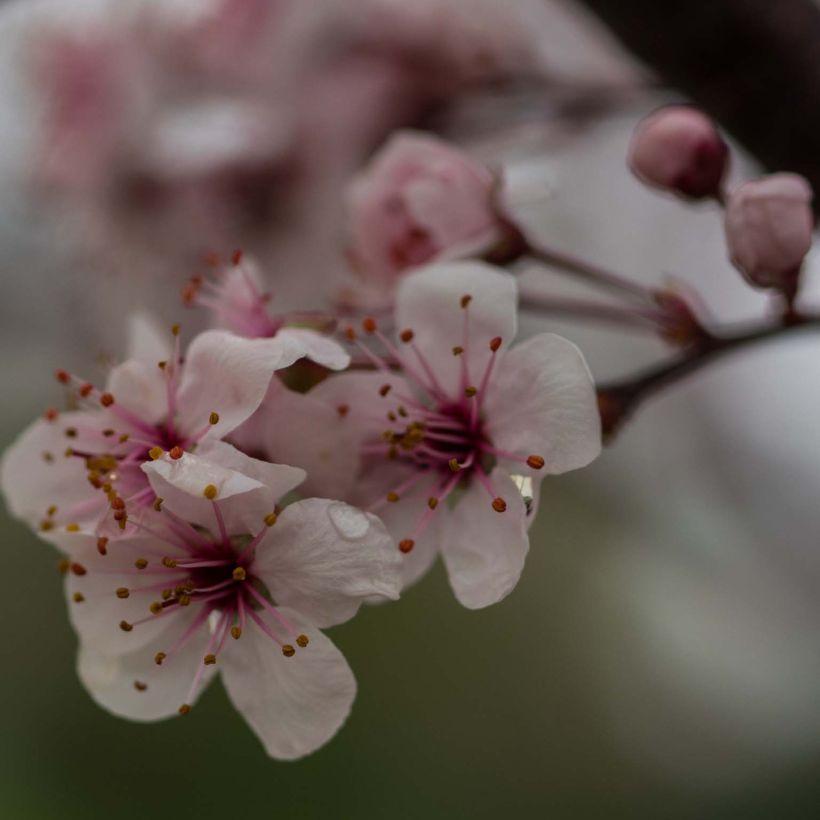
483 550
140 387
228 375
294 705
308 431
429 303
35 473
542 402
147 341
110 679
324 558
246 489
403 517
316 347
96 618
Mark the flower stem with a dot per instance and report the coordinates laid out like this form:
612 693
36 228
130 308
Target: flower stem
618 401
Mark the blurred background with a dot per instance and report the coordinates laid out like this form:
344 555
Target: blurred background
660 656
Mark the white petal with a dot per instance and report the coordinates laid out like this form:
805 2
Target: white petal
316 347
294 705
110 679
308 431
542 402
483 550
228 375
147 341
141 388
35 473
324 558
429 303
97 617
246 489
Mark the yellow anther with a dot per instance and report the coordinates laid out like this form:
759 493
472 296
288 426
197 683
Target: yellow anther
46 525
210 492
51 510
236 633
184 709
125 626
123 592
159 658
239 574
213 418
454 465
458 350
141 563
302 640
288 651
155 608
166 594
64 566
78 597
270 519
469 392
140 686
175 329
184 600
169 562
72 527
432 502
158 503
465 300
156 452
393 497
123 438
209 660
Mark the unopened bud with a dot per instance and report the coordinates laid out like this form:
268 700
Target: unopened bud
769 226
679 149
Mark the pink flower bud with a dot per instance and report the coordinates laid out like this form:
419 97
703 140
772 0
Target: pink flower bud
420 200
769 226
678 148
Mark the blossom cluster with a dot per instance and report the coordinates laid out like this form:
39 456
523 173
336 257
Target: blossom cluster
218 505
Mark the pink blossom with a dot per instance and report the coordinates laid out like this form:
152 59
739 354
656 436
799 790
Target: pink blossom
236 296
769 228
450 449
155 609
418 201
83 467
678 148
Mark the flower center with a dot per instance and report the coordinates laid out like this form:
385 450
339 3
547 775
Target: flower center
437 430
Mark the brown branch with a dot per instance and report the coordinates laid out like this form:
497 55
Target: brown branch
752 64
618 401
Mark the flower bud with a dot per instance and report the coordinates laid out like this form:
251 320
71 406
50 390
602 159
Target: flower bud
769 226
678 149
420 200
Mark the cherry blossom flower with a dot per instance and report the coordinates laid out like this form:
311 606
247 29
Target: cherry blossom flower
83 467
214 560
239 302
453 432
420 200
